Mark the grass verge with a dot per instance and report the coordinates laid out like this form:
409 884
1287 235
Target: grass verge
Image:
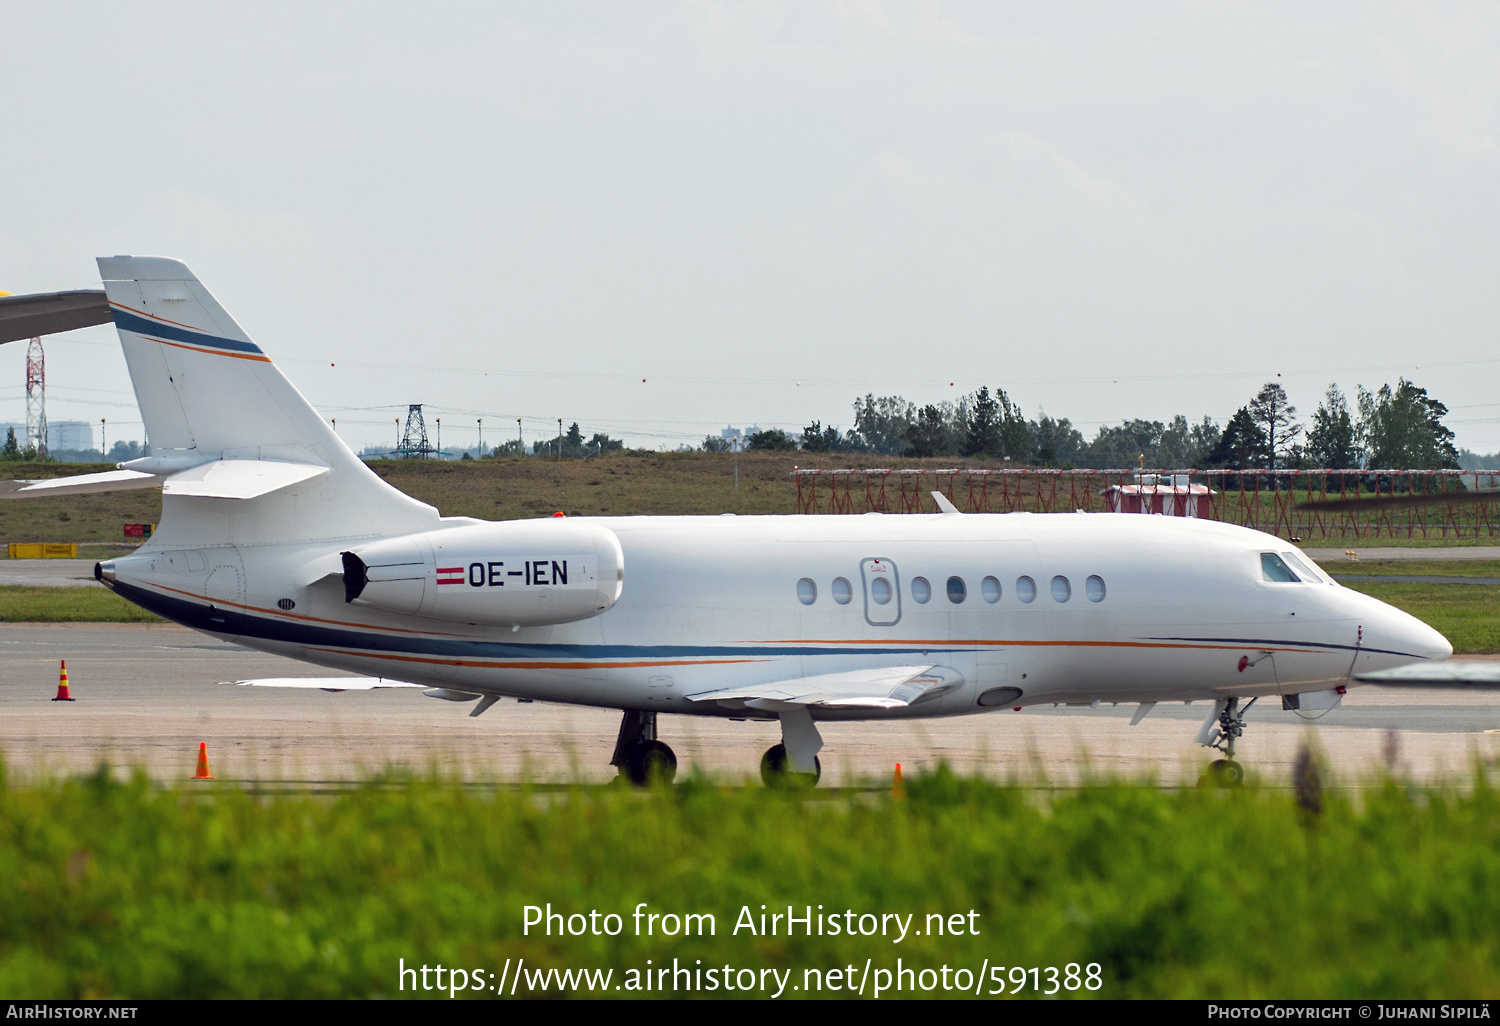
1416 567
123 889
1467 615
22 604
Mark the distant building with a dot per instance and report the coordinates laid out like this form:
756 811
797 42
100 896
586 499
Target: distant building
70 434
730 433
61 434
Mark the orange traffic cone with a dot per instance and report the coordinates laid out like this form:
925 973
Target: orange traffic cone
63 694
898 785
203 773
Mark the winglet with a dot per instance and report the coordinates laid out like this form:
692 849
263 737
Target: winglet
945 504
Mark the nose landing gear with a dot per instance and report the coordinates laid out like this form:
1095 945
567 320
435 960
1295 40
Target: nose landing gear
1223 726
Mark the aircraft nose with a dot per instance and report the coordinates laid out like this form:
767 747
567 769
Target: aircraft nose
1403 633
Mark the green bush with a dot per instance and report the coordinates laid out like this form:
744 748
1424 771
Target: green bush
128 889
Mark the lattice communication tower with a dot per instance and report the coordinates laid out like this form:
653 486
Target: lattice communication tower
414 444
36 398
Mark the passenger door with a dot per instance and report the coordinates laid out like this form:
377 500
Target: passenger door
882 591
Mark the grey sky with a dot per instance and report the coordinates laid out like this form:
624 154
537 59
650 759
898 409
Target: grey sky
764 209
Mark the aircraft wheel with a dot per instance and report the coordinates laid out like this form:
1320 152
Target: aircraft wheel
774 772
651 762
1226 773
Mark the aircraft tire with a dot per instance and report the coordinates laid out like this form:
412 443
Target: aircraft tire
773 771
651 762
1227 773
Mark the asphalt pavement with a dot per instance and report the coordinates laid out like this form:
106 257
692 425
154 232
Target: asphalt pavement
147 694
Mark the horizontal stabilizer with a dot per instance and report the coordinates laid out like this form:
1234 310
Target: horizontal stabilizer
1449 673
47 313
325 683
890 687
239 479
79 484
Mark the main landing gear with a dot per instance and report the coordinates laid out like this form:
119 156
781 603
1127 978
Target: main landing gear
640 757
794 762
1223 726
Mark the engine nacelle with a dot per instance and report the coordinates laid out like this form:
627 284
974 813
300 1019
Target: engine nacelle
520 573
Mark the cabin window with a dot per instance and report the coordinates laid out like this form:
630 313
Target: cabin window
990 589
1094 586
1061 589
957 591
807 591
1025 589
880 591
1273 569
842 593
920 589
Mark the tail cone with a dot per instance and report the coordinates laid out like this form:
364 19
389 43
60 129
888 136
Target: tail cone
203 773
63 694
898 785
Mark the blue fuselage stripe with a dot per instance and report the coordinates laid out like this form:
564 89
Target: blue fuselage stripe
225 621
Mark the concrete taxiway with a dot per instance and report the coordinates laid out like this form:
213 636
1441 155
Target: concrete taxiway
147 694
48 573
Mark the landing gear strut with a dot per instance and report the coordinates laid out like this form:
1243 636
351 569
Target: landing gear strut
639 756
1230 719
794 762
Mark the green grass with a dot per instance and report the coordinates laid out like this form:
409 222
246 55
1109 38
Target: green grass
127 890
21 604
1416 567
626 483
1468 615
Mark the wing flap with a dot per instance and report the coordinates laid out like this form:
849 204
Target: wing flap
886 687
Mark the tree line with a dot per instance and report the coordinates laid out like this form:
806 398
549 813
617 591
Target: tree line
1392 428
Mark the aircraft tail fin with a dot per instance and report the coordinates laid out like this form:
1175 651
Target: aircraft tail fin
207 392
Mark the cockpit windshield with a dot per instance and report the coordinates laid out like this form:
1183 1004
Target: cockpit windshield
1303 569
1273 569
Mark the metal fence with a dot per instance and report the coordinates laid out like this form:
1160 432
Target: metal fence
1260 499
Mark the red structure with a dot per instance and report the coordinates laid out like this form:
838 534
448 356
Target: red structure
1258 499
1174 497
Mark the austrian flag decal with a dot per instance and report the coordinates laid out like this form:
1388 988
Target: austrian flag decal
450 575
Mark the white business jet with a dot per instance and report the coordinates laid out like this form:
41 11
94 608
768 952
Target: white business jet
274 535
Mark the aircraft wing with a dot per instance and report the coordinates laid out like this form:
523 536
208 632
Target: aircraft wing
79 484
1449 673
216 479
47 313
889 687
325 683
239 479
